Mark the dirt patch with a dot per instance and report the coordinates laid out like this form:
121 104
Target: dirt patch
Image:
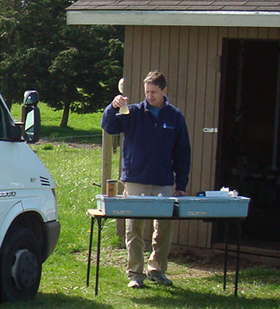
203 267
179 266
70 144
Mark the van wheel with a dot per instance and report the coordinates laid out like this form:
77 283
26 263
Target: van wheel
21 266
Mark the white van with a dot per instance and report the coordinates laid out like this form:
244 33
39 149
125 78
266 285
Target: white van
29 226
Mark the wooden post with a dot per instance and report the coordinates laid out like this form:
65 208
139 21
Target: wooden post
120 223
106 159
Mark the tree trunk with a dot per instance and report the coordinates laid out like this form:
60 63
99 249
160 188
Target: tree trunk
65 116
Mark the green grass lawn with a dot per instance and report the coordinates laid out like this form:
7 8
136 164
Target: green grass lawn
63 284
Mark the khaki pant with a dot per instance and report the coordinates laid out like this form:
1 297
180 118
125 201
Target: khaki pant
161 238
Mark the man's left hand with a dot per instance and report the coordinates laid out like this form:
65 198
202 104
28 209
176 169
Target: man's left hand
179 193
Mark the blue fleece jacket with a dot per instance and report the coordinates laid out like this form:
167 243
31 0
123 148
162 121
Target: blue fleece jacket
156 150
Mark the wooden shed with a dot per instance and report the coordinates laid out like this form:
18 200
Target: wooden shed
222 63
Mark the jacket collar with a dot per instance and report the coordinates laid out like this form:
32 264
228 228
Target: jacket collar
146 103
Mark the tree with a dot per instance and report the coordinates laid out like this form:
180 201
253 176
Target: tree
82 74
75 68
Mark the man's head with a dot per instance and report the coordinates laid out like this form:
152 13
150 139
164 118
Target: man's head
156 78
155 88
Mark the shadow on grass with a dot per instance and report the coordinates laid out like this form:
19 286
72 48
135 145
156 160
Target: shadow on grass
250 276
177 297
68 134
55 131
56 301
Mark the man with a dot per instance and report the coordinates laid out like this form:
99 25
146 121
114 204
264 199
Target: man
156 153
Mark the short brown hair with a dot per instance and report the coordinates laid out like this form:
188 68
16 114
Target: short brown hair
156 78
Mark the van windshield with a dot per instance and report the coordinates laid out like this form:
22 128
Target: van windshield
5 118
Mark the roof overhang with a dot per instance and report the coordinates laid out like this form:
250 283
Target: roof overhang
174 18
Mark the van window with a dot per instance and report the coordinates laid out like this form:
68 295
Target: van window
3 127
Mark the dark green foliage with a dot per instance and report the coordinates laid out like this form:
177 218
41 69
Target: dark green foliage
74 68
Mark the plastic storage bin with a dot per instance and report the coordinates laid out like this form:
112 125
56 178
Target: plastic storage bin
211 207
136 206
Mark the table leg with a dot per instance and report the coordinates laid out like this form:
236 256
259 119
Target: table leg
98 254
237 255
226 255
89 249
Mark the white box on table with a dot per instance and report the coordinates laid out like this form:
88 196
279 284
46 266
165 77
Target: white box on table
216 193
211 207
136 206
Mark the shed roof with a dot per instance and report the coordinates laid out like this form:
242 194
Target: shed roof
254 13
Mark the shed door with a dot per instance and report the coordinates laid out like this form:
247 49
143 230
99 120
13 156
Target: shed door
248 147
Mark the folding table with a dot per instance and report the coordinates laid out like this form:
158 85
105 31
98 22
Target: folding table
100 217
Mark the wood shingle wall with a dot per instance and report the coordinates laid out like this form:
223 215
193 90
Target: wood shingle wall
190 59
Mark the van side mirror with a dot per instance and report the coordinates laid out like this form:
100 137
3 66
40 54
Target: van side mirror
31 97
31 117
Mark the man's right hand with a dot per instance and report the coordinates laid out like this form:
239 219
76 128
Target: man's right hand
119 101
